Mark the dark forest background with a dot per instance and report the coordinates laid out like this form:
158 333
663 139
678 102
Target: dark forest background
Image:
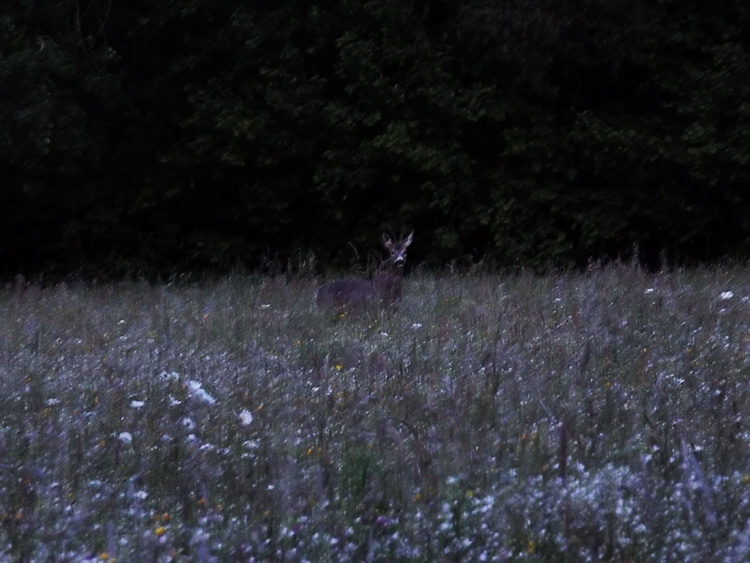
146 137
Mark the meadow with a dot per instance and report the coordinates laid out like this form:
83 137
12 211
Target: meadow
568 417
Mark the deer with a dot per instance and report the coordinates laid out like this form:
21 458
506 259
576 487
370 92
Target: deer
382 290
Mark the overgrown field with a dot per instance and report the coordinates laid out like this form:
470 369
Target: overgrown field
568 417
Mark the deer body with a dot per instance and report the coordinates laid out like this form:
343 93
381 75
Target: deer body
383 290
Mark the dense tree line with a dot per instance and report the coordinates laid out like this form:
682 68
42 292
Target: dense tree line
142 137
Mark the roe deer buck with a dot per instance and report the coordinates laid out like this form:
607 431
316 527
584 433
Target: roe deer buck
384 289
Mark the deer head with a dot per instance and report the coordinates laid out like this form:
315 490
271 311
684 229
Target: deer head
397 250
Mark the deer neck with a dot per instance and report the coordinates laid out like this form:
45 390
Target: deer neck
387 281
389 269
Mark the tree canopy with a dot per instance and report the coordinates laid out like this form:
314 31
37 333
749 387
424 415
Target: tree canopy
147 137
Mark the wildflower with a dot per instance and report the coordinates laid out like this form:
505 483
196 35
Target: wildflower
338 367
383 521
196 390
160 531
725 295
265 306
137 404
125 437
170 375
156 517
246 417
649 290
200 536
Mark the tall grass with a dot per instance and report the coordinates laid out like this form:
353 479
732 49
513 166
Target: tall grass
571 417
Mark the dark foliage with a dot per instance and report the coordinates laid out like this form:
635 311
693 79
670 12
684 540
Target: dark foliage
146 138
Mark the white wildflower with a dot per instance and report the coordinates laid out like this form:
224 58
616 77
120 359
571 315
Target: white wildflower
724 295
200 536
125 437
246 417
137 404
649 290
197 391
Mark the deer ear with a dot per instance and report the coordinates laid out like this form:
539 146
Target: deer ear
408 240
387 241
